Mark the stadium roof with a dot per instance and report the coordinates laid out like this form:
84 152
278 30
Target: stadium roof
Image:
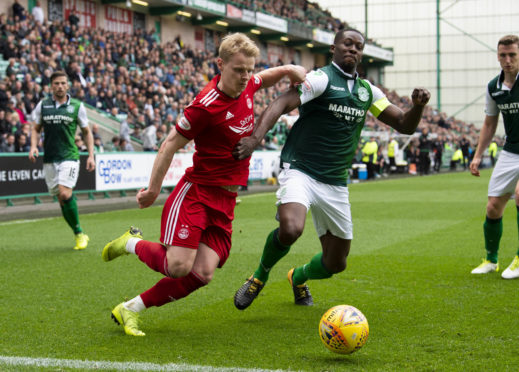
228 16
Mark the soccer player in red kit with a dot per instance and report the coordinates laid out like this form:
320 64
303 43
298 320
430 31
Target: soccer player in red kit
196 224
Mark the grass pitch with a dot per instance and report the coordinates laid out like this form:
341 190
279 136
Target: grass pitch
415 242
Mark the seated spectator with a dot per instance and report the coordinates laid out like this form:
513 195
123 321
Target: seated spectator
114 145
98 145
10 144
125 145
22 144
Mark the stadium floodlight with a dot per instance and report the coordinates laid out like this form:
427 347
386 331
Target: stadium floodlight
310 45
284 38
140 2
256 32
185 14
128 3
222 23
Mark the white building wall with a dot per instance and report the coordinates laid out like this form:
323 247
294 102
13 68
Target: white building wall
468 61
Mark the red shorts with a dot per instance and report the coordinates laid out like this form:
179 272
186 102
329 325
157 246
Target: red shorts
195 214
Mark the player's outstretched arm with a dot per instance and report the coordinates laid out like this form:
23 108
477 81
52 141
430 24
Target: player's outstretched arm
406 122
271 76
485 136
281 105
174 141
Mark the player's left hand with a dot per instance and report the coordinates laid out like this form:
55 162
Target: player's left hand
90 164
145 198
420 96
244 148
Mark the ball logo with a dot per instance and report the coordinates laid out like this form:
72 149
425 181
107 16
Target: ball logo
183 233
249 103
363 94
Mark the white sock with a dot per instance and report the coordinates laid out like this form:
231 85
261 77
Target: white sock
131 243
135 304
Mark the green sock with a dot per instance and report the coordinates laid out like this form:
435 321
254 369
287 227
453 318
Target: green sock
272 253
71 215
517 206
313 270
493 229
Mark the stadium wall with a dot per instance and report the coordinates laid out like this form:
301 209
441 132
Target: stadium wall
469 32
114 171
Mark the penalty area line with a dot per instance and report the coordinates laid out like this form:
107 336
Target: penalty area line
120 366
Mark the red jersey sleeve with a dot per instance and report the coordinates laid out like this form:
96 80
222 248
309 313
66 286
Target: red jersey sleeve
192 122
256 83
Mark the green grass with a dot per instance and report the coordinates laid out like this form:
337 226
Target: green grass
415 242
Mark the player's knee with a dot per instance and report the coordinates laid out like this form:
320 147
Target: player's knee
178 269
289 233
64 195
205 276
335 267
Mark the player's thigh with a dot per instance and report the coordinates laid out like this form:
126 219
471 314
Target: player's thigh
50 172
294 198
68 173
183 217
294 188
505 175
332 211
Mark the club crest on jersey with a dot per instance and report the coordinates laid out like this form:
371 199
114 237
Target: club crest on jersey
249 103
363 94
256 80
70 109
183 233
184 124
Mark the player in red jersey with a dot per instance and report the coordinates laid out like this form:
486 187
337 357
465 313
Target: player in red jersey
196 224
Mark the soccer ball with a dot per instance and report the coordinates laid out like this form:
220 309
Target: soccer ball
343 329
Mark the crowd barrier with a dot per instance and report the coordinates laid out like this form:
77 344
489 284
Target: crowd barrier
115 171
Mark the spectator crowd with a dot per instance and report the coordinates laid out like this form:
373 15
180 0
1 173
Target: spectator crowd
146 85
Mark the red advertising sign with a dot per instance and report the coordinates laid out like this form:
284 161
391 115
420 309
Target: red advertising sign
118 19
233 11
84 9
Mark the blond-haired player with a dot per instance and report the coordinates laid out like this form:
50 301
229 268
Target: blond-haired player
196 223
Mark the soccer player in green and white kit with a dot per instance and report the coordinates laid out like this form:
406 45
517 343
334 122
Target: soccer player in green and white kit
502 96
333 103
58 116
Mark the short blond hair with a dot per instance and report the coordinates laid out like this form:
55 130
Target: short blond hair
237 43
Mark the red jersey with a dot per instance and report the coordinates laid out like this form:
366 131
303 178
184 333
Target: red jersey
217 122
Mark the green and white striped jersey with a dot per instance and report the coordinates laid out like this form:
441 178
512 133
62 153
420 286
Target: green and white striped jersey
334 105
59 127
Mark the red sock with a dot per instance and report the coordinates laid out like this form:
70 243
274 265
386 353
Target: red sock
154 255
171 289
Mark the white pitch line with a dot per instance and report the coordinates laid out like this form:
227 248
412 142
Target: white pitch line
16 222
120 366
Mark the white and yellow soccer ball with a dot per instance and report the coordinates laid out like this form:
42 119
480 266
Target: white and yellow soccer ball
343 329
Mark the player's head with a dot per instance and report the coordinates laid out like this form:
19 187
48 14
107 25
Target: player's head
347 49
508 53
59 84
236 60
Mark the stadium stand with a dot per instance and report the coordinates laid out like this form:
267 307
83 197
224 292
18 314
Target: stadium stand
131 83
